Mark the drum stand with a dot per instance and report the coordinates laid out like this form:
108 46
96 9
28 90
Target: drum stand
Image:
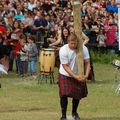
45 76
46 71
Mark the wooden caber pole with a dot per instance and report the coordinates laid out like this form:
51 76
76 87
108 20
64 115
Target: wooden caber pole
78 30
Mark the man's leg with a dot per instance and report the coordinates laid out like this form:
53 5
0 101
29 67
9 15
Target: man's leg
75 104
63 103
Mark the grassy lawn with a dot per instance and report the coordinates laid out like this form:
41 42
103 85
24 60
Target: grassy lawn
23 99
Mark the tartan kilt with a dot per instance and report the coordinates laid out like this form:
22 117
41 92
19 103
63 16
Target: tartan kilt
71 88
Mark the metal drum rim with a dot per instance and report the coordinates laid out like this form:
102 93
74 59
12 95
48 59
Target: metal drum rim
48 49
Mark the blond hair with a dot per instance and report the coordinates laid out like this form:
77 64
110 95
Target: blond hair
73 37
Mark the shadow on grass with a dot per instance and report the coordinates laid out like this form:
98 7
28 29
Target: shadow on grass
22 110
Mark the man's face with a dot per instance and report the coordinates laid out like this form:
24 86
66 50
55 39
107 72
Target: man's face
72 44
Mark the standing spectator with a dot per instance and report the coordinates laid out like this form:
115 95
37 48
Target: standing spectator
15 47
40 26
86 25
28 22
51 25
32 55
3 46
94 29
110 32
23 55
101 39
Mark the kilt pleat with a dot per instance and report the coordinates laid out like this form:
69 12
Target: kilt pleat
72 88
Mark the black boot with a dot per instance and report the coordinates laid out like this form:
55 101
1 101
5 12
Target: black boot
75 104
63 103
76 116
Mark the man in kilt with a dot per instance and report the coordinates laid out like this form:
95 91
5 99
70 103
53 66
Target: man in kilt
70 84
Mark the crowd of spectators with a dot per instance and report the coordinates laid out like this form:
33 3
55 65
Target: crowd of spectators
51 21
100 22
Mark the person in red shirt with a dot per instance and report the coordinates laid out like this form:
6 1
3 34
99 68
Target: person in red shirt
15 47
3 51
2 28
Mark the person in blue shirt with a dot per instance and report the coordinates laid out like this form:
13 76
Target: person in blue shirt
40 27
19 15
112 7
41 23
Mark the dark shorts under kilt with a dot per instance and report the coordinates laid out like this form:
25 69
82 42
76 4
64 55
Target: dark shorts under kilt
72 88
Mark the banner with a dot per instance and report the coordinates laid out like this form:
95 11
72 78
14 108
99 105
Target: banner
118 4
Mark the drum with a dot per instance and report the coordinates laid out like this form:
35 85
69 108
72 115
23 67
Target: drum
47 60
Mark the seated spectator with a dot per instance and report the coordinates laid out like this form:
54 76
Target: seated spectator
31 5
84 11
65 33
112 7
47 6
56 38
19 15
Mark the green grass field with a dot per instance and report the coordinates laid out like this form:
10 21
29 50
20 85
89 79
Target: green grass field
23 99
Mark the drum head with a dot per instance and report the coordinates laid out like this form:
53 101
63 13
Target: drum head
48 49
